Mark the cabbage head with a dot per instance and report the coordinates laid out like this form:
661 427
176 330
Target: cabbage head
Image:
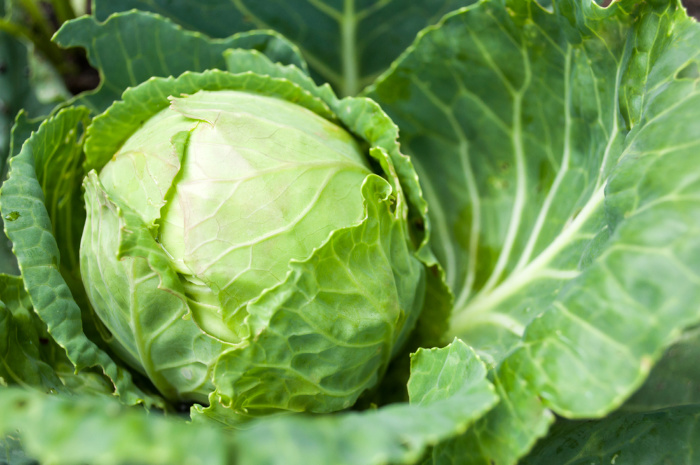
251 242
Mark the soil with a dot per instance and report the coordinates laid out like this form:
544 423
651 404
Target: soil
693 8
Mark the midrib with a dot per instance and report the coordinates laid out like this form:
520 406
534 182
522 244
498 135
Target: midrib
526 275
348 37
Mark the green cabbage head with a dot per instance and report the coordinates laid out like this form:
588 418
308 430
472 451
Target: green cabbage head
248 243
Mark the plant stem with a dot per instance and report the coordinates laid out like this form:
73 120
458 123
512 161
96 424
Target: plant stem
64 10
37 18
16 30
50 51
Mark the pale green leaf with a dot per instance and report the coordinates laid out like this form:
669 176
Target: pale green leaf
448 390
111 129
327 333
100 431
140 298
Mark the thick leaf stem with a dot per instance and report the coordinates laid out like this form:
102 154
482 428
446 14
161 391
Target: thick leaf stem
464 317
561 174
348 28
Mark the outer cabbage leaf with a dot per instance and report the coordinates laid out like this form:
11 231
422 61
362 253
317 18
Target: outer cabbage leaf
150 45
29 356
674 380
658 424
448 390
30 359
25 346
100 431
19 85
347 43
21 130
15 93
653 438
558 150
14 89
30 201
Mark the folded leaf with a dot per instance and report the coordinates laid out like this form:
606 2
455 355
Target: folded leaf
29 226
448 391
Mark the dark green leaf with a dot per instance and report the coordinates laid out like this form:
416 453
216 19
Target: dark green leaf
24 341
675 380
347 43
129 48
669 436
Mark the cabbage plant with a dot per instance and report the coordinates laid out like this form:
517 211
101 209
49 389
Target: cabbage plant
416 232
239 246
